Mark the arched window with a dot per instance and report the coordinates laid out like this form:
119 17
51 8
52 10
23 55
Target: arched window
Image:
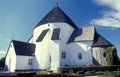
63 55
50 59
56 34
79 56
104 54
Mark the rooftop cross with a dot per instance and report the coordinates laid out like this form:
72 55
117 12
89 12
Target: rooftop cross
56 3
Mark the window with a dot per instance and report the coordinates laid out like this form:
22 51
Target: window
48 24
50 59
30 61
104 54
56 34
42 35
63 55
80 56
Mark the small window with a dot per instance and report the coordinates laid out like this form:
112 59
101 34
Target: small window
56 34
30 61
50 59
104 54
79 56
63 55
48 24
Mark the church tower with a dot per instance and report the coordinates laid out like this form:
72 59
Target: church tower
51 36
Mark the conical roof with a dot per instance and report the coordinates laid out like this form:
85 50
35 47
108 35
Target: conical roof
56 15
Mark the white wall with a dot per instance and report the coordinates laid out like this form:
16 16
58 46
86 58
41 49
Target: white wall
98 55
72 51
49 47
54 48
14 62
30 40
22 62
11 59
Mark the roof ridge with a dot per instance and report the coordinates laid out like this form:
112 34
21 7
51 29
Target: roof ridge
21 41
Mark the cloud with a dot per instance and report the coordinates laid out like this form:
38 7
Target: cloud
8 39
2 52
109 18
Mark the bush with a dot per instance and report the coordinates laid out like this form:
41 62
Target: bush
116 73
30 74
111 55
108 73
90 72
80 72
2 63
99 73
71 71
75 69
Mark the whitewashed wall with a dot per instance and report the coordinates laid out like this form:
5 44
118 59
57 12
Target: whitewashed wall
98 55
72 51
49 47
11 59
30 40
22 62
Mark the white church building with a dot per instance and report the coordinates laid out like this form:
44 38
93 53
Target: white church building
57 42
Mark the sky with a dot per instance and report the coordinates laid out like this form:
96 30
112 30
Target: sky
19 17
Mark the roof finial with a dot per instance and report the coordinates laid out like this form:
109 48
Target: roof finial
56 3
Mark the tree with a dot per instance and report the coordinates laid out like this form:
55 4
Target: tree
111 55
2 63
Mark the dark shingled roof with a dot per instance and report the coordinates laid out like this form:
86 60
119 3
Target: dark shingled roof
83 34
56 15
100 41
23 48
88 34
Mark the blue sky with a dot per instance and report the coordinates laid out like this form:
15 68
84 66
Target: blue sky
19 17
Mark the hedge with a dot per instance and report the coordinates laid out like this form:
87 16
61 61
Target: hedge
75 69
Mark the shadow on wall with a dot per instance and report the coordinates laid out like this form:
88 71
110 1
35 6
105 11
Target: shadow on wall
95 62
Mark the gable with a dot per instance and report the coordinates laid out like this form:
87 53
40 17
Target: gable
10 51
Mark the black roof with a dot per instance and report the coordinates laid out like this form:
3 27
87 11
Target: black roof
76 33
56 15
23 48
100 41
